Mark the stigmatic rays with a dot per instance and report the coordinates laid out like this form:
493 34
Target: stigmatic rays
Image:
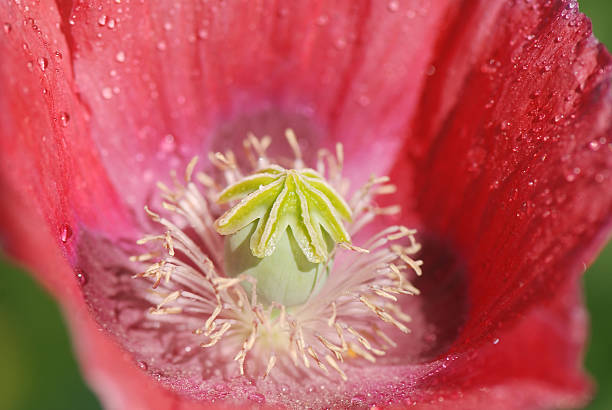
261 282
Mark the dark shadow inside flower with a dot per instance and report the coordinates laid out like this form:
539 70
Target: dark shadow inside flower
443 305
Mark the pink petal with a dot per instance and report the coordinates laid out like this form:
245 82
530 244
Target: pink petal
46 152
512 165
166 83
299 70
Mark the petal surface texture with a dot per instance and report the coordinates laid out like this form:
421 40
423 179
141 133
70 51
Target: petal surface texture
492 117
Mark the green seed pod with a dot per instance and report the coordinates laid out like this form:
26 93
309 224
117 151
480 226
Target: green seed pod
282 232
286 276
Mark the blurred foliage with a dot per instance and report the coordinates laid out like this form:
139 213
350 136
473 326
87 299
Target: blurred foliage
598 279
38 369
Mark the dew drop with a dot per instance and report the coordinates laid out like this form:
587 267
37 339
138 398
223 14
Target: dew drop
322 20
364 100
111 24
393 6
202 34
43 63
65 233
107 93
161 45
7 27
358 399
168 143
64 119
257 398
496 341
167 26
120 56
340 43
58 55
490 67
143 365
81 277
102 20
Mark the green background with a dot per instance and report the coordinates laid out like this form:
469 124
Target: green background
38 370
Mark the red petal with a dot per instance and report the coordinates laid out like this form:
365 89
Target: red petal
289 69
46 153
512 153
112 373
532 364
189 81
511 164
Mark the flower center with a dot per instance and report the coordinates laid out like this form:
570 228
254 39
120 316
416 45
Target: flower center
284 286
282 231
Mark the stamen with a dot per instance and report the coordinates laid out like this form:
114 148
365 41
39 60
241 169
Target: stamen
295 147
340 323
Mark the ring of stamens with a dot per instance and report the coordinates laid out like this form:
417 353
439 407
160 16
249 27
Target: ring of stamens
345 320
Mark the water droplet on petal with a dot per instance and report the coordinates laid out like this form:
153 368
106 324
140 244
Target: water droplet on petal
143 365
102 20
393 6
107 93
359 399
120 56
81 277
65 233
257 398
7 27
64 119
43 63
340 43
168 143
364 100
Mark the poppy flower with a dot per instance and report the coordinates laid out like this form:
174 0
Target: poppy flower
491 118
